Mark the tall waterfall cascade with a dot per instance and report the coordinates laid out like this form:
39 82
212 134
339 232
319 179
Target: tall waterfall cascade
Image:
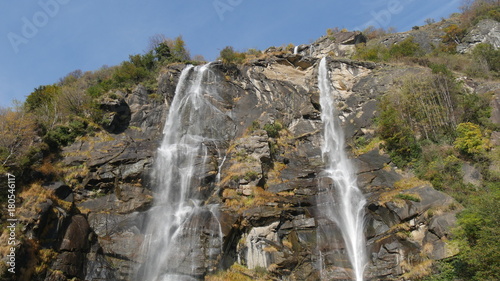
183 236
340 201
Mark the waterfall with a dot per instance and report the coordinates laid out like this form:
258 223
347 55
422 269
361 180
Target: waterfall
311 50
340 202
183 236
296 50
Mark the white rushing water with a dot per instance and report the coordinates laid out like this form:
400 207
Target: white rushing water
183 235
342 202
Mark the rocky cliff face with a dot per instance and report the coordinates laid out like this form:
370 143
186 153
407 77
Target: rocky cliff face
264 176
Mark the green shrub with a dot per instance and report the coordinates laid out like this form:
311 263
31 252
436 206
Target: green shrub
438 68
379 52
63 135
100 88
398 137
405 48
469 139
146 61
273 130
453 36
479 10
128 73
274 149
439 165
251 176
254 52
374 53
228 55
478 232
475 108
487 52
42 95
444 270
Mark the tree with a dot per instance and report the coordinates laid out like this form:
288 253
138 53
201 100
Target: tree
155 41
200 58
166 49
74 99
44 106
162 52
229 55
129 73
478 232
429 21
178 48
41 95
17 128
71 77
453 36
146 61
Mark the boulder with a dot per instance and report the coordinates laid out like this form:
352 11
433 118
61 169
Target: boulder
442 225
76 236
486 31
117 114
255 253
61 190
429 198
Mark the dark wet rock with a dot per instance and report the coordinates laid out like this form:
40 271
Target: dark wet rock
126 199
76 237
70 264
60 189
98 268
441 225
371 161
117 114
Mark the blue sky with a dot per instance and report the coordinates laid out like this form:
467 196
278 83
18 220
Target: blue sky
43 40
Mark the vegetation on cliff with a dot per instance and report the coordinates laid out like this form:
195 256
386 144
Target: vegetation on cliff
435 127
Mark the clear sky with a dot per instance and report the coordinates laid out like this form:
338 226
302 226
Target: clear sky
43 40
